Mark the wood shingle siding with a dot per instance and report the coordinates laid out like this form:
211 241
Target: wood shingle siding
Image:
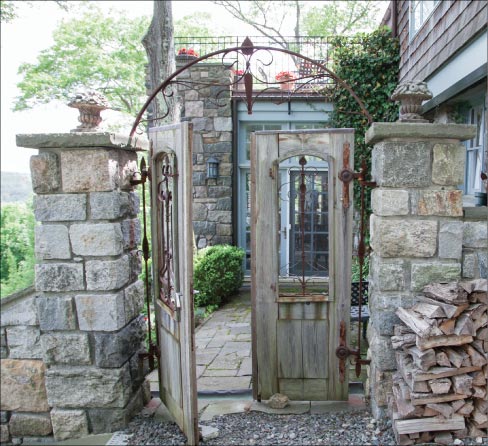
451 25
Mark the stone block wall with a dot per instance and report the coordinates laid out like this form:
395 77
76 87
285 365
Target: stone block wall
208 107
418 235
475 243
24 409
85 331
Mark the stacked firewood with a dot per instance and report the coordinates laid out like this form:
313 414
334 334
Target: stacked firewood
440 387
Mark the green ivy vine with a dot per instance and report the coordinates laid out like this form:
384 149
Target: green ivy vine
369 63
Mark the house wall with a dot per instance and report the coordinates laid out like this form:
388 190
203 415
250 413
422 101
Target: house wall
450 53
452 24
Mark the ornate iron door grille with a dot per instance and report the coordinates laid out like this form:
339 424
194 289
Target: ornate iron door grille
166 273
309 255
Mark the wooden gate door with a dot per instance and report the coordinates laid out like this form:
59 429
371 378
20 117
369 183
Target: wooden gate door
296 330
172 247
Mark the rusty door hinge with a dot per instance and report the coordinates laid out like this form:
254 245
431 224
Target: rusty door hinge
346 175
343 352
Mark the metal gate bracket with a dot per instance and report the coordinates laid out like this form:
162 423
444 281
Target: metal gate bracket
343 352
346 175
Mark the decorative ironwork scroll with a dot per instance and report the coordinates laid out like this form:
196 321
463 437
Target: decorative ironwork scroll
253 59
166 275
153 350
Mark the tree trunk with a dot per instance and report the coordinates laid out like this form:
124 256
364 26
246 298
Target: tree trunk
159 45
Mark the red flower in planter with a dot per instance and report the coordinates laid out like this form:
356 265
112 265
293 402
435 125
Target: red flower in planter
284 76
187 52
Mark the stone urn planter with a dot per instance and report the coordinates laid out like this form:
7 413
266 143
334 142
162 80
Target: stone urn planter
89 103
411 95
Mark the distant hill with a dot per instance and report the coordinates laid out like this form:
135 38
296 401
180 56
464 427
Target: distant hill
15 187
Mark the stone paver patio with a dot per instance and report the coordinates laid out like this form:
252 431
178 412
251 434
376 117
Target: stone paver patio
223 350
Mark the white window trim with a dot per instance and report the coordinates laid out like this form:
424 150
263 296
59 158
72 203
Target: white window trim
472 146
412 33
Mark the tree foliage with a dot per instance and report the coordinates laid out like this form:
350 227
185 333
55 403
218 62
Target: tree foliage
7 11
89 51
8 8
196 24
98 51
16 247
336 18
278 20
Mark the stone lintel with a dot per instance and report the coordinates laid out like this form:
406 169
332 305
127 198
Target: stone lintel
381 131
81 141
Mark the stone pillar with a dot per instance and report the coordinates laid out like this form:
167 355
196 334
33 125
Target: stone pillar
206 103
89 296
416 227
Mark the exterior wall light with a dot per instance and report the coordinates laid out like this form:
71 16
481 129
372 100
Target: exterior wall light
212 168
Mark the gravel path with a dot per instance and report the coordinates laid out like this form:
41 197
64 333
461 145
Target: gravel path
257 428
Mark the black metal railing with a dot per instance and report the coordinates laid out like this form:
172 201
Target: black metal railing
270 63
314 47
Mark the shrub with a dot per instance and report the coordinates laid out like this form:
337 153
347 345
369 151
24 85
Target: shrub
217 274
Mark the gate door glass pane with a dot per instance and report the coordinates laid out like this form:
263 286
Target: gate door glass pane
309 232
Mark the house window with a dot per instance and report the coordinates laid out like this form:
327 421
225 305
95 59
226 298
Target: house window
244 200
420 11
474 151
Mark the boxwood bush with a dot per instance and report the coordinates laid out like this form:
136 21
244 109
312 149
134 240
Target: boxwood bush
217 274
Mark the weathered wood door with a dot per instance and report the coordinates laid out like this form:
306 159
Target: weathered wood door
172 247
296 328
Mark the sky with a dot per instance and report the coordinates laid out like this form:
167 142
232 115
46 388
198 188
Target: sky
19 45
23 39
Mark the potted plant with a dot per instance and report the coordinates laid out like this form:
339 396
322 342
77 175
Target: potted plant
239 79
186 54
286 79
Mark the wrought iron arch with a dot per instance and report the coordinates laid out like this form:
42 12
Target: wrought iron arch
247 50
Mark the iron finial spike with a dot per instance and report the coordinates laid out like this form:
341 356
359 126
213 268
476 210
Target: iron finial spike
248 87
247 46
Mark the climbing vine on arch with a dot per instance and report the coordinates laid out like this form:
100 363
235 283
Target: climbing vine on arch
369 63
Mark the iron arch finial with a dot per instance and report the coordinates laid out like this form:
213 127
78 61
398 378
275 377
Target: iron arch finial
247 47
